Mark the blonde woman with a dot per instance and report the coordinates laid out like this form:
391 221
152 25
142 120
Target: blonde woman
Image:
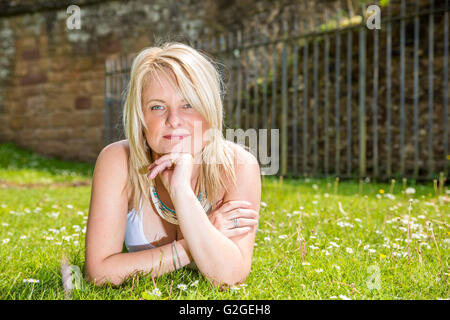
175 192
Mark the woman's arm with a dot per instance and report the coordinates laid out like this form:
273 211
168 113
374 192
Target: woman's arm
107 222
222 260
157 261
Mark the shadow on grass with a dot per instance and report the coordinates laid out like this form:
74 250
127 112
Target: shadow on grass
13 157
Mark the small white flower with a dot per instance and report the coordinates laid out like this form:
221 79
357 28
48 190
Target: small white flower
326 195
4 241
333 297
235 288
315 186
5 224
69 206
344 297
349 250
358 220
334 244
48 238
182 286
319 270
263 204
421 217
80 213
283 236
372 250
313 247
314 202
23 237
337 267
306 264
194 283
31 280
410 191
267 239
156 292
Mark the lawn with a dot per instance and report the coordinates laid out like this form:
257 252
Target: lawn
317 239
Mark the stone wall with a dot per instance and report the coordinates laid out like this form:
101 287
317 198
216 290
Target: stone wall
52 78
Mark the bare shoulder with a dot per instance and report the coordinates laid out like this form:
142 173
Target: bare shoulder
112 162
242 157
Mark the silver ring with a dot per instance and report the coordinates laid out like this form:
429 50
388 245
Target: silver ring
235 223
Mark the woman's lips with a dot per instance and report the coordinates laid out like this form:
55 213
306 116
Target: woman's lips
175 137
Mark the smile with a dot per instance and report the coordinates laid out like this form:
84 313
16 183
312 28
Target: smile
175 137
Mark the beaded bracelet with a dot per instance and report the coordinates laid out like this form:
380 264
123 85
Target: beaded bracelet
176 252
173 257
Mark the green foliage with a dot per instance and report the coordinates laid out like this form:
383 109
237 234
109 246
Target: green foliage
315 240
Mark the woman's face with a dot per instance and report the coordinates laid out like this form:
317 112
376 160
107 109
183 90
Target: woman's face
173 124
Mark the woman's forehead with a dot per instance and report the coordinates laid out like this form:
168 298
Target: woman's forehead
160 87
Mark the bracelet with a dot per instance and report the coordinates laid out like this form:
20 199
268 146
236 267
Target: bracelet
176 251
173 256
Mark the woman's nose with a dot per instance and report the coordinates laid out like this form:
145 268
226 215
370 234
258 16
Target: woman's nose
173 120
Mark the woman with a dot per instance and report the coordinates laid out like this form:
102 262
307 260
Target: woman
196 195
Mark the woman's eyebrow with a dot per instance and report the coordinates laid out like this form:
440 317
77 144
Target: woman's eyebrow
155 100
160 100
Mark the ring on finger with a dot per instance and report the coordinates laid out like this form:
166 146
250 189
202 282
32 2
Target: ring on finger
235 223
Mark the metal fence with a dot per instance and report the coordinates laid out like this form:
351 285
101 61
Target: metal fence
348 101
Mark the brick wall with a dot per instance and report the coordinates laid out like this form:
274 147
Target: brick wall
52 78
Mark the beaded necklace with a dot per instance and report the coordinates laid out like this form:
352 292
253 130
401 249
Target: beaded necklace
168 214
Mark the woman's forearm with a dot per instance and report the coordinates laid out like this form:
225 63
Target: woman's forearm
215 255
157 261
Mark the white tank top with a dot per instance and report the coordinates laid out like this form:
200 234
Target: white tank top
134 234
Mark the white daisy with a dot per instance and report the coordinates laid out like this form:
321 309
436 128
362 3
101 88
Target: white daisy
182 286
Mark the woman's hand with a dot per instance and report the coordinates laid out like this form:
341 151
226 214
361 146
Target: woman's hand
223 215
175 170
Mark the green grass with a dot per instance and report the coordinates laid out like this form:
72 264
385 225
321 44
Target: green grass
301 244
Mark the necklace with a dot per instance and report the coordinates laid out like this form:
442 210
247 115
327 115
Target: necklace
168 214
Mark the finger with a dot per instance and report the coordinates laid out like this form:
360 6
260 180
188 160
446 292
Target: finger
241 213
150 167
230 233
158 169
169 156
243 222
230 205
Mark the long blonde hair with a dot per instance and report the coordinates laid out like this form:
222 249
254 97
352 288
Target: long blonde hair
199 83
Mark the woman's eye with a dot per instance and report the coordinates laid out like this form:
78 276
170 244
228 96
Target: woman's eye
157 107
187 106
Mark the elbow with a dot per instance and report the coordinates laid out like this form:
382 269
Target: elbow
229 279
97 276
100 279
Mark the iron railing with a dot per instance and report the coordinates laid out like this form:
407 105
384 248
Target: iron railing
347 100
